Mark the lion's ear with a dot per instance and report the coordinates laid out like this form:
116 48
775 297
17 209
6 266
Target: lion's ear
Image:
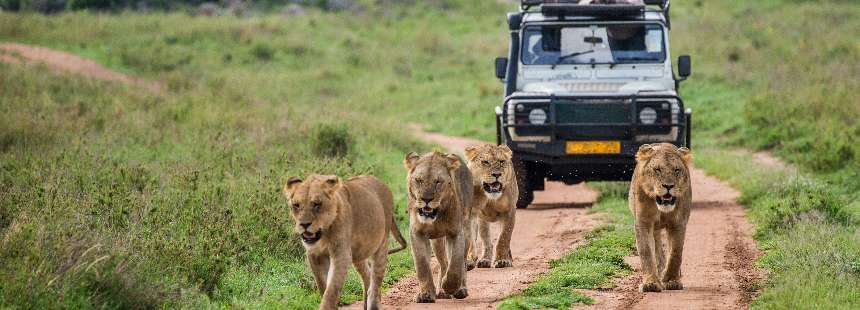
292 184
471 152
453 161
686 155
645 152
507 151
411 161
331 182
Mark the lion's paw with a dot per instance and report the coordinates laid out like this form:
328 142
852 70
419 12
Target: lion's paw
503 263
484 263
650 287
470 264
443 295
424 298
461 293
673 285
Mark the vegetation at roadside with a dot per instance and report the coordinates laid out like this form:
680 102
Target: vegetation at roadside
592 265
112 197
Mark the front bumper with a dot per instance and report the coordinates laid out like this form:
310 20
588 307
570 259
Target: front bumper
550 153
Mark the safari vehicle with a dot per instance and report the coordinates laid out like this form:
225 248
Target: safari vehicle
585 86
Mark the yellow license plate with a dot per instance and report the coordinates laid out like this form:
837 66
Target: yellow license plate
593 147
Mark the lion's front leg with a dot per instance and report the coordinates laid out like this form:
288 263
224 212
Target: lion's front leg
645 247
441 254
454 282
341 257
503 245
672 276
319 267
486 244
421 255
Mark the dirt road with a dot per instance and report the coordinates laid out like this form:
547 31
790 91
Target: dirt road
15 53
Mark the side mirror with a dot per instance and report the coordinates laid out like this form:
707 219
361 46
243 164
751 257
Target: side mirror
684 67
501 67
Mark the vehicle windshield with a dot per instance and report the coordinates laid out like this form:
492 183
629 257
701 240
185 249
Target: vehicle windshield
593 44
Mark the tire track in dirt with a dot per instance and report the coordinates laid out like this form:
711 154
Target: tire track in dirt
717 267
15 53
553 225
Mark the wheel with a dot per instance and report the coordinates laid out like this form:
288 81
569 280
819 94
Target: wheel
525 187
526 196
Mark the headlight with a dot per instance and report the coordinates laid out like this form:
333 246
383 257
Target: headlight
648 116
537 117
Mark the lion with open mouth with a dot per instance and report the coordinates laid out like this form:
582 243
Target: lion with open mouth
660 198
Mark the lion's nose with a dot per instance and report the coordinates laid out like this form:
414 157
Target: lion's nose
497 175
668 187
305 225
426 200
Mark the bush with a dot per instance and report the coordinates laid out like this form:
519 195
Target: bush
263 51
331 140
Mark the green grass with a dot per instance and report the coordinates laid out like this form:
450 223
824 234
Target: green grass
590 266
111 197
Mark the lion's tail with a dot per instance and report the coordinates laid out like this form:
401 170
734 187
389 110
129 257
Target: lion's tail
396 232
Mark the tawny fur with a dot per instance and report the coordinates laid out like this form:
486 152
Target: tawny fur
440 182
659 165
354 218
491 163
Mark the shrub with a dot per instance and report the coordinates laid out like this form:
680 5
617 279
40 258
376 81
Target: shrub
331 140
263 51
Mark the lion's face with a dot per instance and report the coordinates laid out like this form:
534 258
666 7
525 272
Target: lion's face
429 181
313 205
664 174
491 165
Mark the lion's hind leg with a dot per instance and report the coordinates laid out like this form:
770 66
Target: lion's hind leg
363 270
377 268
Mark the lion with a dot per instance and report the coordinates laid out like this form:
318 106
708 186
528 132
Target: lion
342 223
439 203
660 198
494 199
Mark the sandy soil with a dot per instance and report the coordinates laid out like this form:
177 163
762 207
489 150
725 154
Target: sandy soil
61 61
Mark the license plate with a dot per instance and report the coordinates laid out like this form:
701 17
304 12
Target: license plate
593 147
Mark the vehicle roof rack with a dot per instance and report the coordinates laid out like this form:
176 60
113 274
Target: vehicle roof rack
573 8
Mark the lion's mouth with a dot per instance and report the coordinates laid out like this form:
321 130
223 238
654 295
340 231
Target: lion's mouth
666 200
428 213
311 238
492 188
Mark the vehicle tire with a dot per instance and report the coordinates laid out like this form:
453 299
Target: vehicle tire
526 196
523 185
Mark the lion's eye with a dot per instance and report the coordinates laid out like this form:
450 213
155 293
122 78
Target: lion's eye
317 205
419 181
658 170
502 162
485 163
438 182
296 206
677 171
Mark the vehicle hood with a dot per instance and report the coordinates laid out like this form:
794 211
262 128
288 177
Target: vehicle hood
579 87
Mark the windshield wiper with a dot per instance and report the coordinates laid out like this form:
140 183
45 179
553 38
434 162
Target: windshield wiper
630 59
565 57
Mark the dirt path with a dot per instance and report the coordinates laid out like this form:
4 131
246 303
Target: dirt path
15 53
717 267
718 258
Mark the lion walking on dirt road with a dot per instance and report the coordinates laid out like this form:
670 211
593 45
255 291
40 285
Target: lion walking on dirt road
660 198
